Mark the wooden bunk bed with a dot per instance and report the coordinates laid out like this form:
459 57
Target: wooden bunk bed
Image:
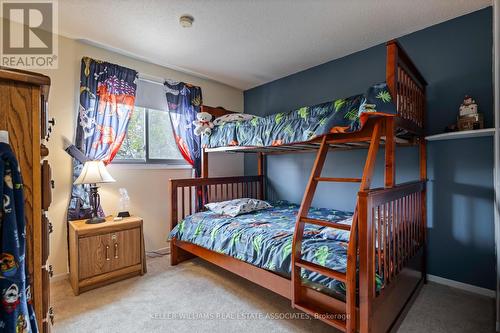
388 230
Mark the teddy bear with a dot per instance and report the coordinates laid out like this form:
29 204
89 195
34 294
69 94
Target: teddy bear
202 124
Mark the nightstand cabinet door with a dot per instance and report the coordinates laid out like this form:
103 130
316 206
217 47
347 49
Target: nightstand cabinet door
126 248
95 255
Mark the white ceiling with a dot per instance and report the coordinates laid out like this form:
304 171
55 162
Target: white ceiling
248 43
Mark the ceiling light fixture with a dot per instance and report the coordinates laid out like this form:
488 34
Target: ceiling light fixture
186 21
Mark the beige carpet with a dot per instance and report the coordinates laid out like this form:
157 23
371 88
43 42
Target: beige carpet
157 301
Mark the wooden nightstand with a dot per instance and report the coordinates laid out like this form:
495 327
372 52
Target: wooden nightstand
106 252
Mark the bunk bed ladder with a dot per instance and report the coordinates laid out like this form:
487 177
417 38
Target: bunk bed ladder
299 301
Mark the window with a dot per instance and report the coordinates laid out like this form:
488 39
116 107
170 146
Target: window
149 139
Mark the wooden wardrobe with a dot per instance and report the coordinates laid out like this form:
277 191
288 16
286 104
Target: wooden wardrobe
23 113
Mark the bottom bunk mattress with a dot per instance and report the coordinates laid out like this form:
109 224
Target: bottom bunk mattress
264 239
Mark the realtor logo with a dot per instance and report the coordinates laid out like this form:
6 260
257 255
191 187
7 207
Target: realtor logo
29 34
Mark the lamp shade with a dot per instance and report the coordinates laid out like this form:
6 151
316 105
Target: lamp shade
94 172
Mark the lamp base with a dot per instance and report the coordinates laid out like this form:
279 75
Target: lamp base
95 202
95 220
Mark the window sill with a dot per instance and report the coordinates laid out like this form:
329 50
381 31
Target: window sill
151 166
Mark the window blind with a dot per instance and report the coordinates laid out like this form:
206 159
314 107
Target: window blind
150 95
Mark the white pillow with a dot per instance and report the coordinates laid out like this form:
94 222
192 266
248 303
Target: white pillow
233 117
237 206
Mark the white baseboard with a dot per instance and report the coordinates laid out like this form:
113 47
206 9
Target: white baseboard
463 286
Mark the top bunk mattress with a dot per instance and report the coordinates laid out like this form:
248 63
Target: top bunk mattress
339 116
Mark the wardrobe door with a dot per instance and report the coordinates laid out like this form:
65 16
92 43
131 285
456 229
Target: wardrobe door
23 97
20 115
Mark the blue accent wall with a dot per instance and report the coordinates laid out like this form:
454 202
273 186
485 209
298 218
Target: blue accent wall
455 57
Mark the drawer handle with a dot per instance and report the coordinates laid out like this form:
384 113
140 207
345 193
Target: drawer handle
116 250
107 252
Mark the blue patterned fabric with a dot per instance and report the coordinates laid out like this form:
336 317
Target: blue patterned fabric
306 123
184 103
16 311
107 96
264 239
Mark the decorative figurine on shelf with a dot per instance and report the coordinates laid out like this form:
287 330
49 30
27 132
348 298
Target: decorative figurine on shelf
469 118
123 203
468 106
203 124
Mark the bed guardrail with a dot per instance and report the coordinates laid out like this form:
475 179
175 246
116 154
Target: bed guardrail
392 233
190 195
408 85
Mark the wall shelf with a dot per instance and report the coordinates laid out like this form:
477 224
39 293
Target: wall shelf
461 134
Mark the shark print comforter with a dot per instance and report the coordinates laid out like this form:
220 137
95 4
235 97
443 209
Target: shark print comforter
305 123
264 239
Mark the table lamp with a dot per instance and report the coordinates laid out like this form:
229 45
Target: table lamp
94 172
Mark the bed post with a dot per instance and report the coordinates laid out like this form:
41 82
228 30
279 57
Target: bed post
261 171
365 233
391 78
177 255
389 152
204 163
173 222
391 68
423 177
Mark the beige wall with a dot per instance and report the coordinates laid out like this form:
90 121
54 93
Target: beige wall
148 188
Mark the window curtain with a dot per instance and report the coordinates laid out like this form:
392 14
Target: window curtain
184 102
107 95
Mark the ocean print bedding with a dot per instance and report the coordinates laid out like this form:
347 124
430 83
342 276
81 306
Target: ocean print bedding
306 123
264 239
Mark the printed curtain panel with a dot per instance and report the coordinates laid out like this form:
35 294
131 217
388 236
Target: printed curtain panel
184 102
16 310
107 96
